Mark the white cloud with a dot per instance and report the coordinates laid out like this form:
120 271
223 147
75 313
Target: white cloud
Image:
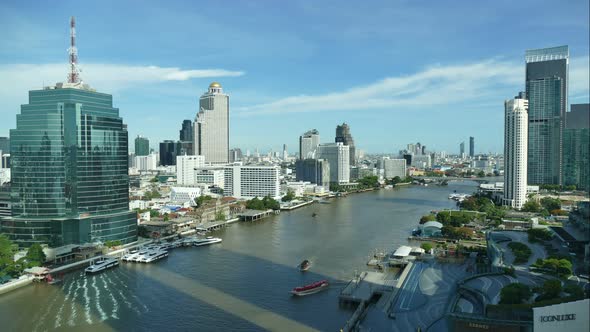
481 82
17 78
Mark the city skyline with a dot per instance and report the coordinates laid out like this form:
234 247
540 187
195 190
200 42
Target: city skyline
459 86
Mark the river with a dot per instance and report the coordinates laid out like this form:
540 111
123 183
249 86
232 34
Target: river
241 284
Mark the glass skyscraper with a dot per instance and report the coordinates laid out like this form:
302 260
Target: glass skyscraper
546 91
142 146
576 147
69 170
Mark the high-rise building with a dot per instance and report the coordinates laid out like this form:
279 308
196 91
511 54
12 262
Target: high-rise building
313 170
69 175
169 150
471 146
462 150
185 169
146 163
343 136
252 181
211 129
516 126
5 144
576 147
393 168
285 154
186 132
546 91
235 154
308 144
337 155
142 146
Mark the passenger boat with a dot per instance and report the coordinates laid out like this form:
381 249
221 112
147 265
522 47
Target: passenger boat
305 265
138 255
129 255
102 264
206 241
311 288
153 256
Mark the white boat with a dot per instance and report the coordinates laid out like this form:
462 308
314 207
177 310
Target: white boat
135 257
102 264
153 256
206 241
130 254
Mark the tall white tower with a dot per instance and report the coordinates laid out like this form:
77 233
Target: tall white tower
211 131
338 156
515 151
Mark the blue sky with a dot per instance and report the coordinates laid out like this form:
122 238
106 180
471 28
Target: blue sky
397 72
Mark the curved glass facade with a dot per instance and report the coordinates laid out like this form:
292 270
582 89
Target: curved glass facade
69 170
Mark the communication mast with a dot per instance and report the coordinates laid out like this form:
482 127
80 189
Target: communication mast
74 75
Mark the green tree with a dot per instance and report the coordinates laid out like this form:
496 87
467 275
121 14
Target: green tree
550 204
531 206
539 235
574 290
154 214
426 246
427 218
166 217
481 174
515 293
521 252
220 216
202 199
113 243
371 181
289 196
35 255
550 290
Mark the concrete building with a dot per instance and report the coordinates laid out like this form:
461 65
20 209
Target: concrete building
210 176
248 182
576 147
186 133
184 194
393 168
337 155
343 136
422 161
146 163
4 145
75 188
515 151
235 155
142 146
462 150
313 170
308 144
546 91
169 150
471 146
185 169
211 129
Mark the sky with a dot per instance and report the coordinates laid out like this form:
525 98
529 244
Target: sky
434 72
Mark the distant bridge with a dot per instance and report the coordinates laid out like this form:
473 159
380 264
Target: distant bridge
439 179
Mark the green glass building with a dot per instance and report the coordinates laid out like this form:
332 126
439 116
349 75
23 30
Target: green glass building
576 147
70 181
142 146
546 91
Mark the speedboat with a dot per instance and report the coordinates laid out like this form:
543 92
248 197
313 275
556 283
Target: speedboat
102 264
206 241
305 265
153 256
311 288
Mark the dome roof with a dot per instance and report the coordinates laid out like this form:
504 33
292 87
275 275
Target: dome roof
215 85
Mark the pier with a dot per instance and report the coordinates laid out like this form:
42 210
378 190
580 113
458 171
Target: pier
296 206
253 215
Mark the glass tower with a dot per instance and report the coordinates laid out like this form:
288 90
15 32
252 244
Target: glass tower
69 170
576 147
142 146
546 91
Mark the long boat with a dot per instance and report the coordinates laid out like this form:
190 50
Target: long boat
102 264
311 288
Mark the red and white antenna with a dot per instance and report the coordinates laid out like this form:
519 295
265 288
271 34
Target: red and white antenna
74 75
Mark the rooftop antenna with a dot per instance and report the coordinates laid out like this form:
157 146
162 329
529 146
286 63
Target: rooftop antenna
74 75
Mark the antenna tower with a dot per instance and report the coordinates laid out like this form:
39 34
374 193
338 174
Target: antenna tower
74 75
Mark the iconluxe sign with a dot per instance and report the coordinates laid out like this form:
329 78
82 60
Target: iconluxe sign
557 318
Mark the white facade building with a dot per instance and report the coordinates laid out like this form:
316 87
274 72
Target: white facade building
185 169
211 129
4 175
569 316
308 144
393 168
146 163
422 161
184 194
252 181
515 152
210 176
337 155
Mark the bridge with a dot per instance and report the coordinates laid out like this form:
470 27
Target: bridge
439 179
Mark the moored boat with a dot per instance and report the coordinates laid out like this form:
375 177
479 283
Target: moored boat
311 288
153 256
305 265
102 264
206 241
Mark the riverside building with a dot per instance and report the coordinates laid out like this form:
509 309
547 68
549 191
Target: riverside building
252 181
515 151
308 144
211 129
185 169
337 155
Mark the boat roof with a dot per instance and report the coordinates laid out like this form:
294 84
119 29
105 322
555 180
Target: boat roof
402 251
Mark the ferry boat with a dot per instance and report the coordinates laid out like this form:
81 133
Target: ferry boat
311 288
102 264
305 265
135 257
130 254
153 256
206 241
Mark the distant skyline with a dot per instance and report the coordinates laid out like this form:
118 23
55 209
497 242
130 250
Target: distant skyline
396 71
